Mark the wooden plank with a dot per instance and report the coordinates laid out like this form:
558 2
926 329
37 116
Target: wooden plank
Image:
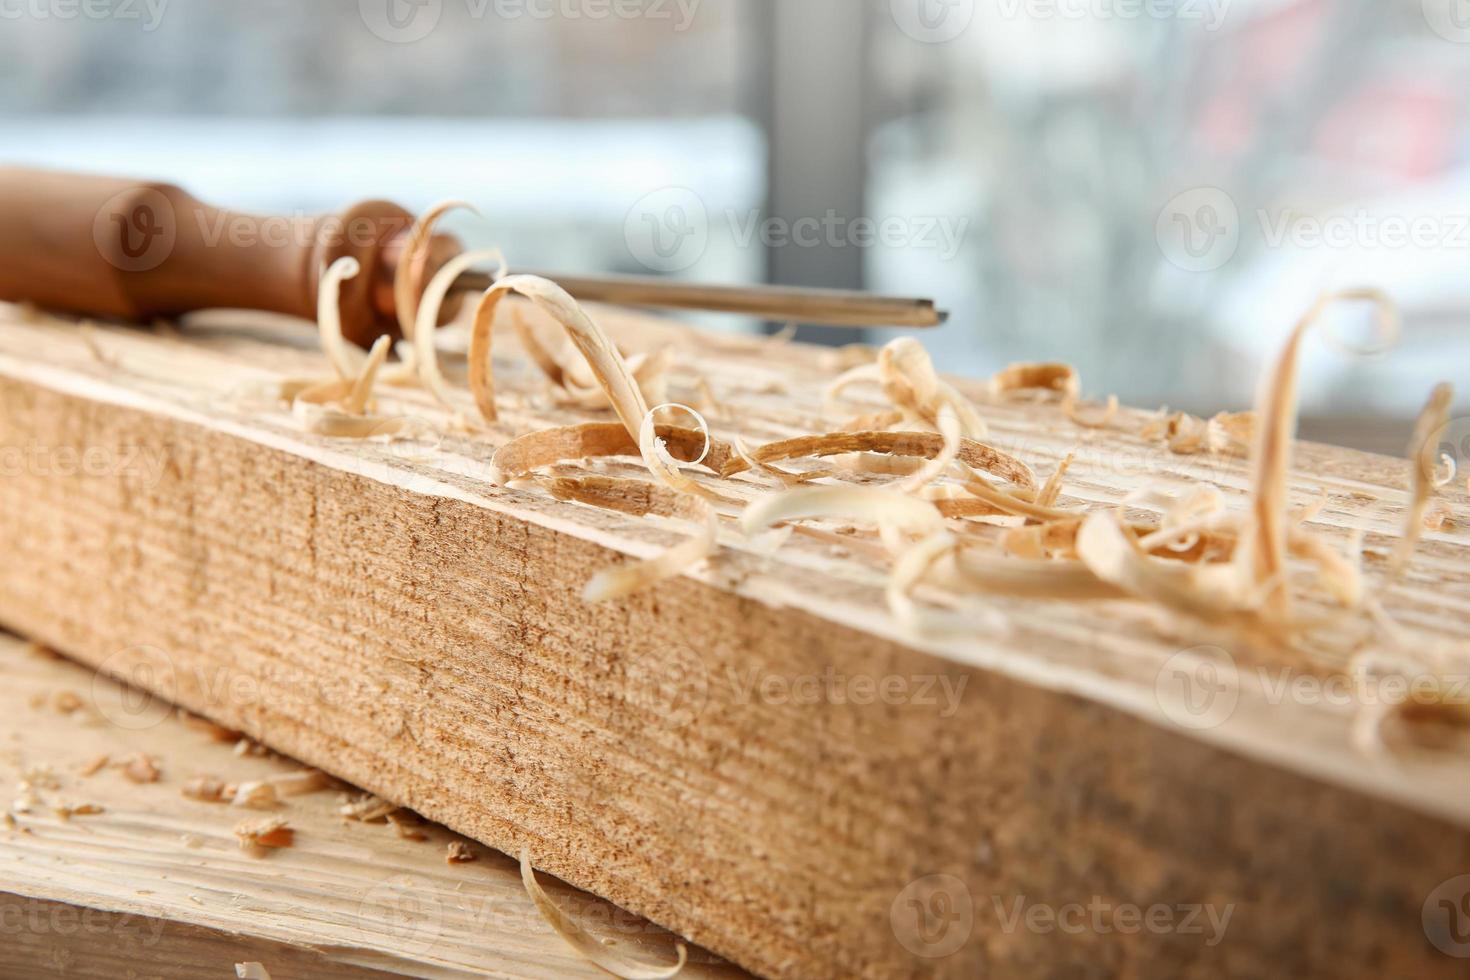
156 884
719 755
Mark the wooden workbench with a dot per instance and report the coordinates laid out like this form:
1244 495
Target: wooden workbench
107 877
420 632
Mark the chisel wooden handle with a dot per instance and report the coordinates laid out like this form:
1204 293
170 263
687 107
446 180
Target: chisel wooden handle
113 247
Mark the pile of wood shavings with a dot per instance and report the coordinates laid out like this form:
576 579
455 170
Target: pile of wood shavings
945 487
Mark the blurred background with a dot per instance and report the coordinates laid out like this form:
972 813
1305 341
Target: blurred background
1152 190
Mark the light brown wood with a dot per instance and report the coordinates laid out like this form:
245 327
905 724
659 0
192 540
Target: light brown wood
156 883
420 631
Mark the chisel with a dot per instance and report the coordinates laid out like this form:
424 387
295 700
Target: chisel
138 250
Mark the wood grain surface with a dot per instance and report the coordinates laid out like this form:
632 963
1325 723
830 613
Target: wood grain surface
756 755
155 884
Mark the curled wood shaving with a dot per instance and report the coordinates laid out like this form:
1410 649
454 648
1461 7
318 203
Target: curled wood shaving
1099 421
1263 555
360 396
1037 376
537 450
271 832
895 514
666 469
270 790
326 421
408 277
909 380
636 497
909 569
584 942
949 428
619 583
1211 592
1434 417
347 359
785 478
926 445
540 356
426 319
607 364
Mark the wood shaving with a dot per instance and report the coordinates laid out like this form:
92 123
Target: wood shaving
1230 433
1099 421
607 364
1434 417
65 813
324 421
1262 557
1061 378
140 768
251 971
405 829
458 852
346 359
206 789
619 583
267 792
426 357
665 468
412 262
359 397
66 702
270 832
895 514
93 766
911 567
538 450
1053 488
584 942
925 445
367 809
